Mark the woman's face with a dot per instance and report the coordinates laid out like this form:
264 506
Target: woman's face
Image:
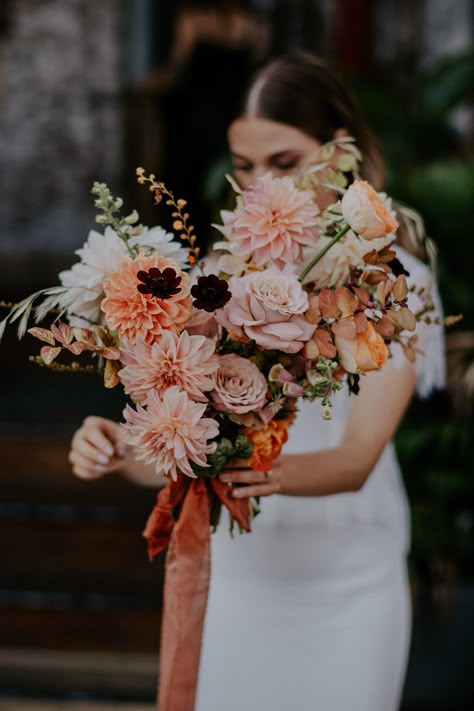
258 145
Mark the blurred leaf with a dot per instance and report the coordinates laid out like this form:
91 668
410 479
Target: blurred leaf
443 192
215 183
447 84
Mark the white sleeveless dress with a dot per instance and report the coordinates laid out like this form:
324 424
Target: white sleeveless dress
311 610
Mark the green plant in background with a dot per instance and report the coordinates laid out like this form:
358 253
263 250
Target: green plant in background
429 168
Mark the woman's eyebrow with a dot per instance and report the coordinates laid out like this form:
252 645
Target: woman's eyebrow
287 152
273 156
239 156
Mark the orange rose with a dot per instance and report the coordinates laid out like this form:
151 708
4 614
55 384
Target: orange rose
362 351
267 443
366 212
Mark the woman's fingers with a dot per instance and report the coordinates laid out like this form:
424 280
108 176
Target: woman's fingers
106 435
96 448
243 492
84 467
259 483
99 453
243 476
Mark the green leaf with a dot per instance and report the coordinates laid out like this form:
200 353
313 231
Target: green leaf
225 450
447 84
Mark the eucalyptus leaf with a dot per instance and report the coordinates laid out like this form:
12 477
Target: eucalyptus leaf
3 325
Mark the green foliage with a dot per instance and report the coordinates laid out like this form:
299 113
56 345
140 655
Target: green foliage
429 169
239 448
448 84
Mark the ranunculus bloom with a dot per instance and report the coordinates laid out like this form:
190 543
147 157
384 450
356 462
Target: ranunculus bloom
361 352
239 385
366 212
268 307
171 433
273 221
267 443
135 315
184 360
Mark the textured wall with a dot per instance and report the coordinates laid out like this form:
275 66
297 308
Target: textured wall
59 120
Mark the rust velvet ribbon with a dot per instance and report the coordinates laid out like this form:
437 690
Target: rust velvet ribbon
187 575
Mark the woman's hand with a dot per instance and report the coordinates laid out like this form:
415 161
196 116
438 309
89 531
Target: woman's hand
249 482
97 448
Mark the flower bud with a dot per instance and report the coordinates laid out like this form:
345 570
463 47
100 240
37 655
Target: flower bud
132 218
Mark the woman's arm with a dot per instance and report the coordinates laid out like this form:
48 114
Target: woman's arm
98 448
373 419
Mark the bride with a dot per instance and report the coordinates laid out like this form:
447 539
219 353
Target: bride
311 611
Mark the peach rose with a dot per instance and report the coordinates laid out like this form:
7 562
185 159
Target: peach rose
269 308
239 386
361 352
366 212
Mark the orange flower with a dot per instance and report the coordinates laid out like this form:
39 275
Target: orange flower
133 314
366 211
361 352
267 443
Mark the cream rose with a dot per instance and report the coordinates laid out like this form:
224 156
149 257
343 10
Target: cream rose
366 212
239 386
269 308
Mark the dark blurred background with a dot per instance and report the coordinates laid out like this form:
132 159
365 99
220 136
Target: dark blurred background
91 90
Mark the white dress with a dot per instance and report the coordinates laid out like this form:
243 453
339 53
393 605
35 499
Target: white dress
311 610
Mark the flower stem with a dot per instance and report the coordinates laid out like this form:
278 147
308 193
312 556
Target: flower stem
321 254
181 218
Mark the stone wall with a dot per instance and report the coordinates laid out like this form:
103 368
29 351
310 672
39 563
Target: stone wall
60 125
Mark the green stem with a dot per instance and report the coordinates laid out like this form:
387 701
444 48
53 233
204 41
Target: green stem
321 254
133 251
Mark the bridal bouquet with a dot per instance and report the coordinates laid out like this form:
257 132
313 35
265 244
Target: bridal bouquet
302 302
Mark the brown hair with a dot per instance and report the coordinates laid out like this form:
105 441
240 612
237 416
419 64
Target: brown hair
300 90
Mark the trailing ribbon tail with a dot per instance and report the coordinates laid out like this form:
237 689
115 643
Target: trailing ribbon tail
161 521
187 575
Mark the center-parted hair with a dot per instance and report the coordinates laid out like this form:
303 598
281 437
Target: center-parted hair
300 90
